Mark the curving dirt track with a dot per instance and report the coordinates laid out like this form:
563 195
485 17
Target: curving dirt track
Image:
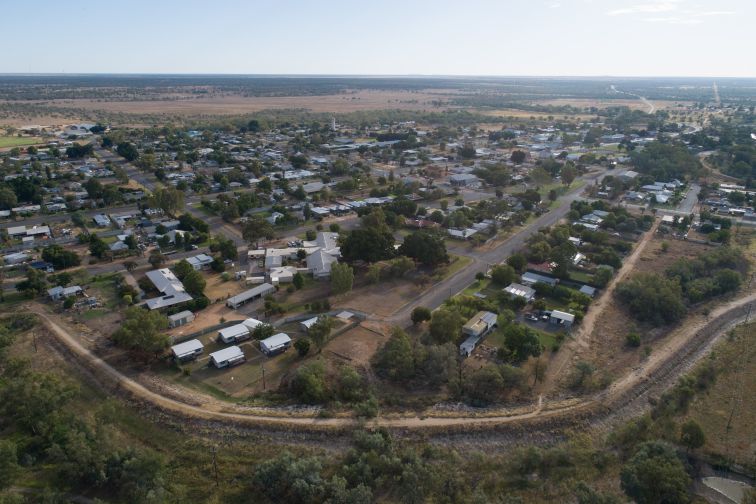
625 398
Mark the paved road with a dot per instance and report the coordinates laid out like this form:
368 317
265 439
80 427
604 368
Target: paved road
437 294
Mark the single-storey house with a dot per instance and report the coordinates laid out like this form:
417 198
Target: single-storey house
188 350
516 290
252 324
180 318
529 278
282 274
588 290
101 220
275 344
16 258
200 261
170 286
234 334
463 180
235 302
562 318
227 357
481 324
58 293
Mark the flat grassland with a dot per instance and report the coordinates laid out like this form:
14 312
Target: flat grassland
8 141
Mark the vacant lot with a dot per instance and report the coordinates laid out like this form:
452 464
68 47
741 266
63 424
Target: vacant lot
727 411
357 345
607 349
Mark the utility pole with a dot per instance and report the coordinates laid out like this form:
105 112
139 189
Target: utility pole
263 375
215 467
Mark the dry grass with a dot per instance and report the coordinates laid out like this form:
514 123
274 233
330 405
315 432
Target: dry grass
731 401
357 345
608 350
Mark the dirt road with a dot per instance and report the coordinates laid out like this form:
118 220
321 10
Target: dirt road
609 401
582 337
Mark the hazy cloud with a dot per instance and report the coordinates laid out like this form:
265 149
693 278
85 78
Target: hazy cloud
675 12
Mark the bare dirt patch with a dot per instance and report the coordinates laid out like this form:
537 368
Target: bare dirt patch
382 299
358 345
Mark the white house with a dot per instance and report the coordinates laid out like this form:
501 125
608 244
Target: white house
58 293
200 261
234 334
275 344
227 357
188 350
169 286
516 290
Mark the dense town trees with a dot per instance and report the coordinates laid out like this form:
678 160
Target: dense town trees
427 248
342 278
142 331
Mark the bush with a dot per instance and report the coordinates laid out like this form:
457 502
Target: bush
302 346
633 339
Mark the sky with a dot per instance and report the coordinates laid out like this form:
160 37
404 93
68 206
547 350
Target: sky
707 38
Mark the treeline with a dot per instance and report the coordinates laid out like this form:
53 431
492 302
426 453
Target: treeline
665 162
664 299
44 430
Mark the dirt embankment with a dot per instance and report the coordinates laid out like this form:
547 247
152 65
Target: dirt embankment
545 423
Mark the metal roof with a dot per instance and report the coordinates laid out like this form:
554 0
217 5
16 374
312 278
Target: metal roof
227 354
276 341
187 347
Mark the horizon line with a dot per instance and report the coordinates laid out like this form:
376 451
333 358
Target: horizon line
364 76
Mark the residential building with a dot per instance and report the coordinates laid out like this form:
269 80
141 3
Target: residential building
58 293
188 350
275 344
227 357
516 290
529 278
200 261
234 333
169 286
481 324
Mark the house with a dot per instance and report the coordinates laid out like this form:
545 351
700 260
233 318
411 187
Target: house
200 261
180 318
169 286
275 344
561 318
227 357
58 293
516 290
588 290
101 220
319 264
481 324
16 258
234 334
235 302
33 231
628 176
188 350
463 180
313 187
530 278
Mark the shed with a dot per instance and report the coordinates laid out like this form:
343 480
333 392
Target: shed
481 324
250 295
234 333
306 324
561 318
227 357
188 350
275 344
180 318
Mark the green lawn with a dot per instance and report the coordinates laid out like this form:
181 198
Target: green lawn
6 142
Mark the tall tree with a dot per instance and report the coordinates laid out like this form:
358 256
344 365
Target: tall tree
142 330
257 228
342 278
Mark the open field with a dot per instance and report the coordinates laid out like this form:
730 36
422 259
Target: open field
727 412
234 105
7 142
